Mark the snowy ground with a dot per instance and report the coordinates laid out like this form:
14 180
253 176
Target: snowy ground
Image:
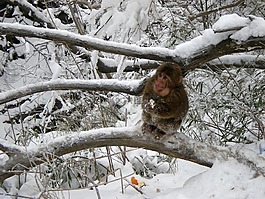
224 180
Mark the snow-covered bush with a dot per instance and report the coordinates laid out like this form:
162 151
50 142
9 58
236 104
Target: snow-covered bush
226 106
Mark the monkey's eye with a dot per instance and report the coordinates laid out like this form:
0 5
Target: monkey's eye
162 75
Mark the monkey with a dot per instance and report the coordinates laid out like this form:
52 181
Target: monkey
164 101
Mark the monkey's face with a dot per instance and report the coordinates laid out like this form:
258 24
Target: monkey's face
173 73
162 84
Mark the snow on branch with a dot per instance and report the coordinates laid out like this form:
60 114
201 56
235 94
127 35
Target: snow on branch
178 146
27 7
238 61
106 65
133 87
227 61
230 34
85 41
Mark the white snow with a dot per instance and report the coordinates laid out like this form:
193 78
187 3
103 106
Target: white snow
34 9
207 38
230 22
243 27
228 180
107 3
256 28
55 68
3 158
81 84
238 59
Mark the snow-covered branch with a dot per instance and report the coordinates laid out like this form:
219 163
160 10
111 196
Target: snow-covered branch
231 34
133 87
27 8
105 65
238 61
86 41
227 61
178 146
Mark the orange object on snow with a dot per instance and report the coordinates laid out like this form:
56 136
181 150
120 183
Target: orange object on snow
134 181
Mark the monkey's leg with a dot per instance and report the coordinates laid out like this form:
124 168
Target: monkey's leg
169 126
152 130
148 128
158 133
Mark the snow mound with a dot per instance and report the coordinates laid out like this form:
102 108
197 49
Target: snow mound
230 22
255 29
243 27
227 180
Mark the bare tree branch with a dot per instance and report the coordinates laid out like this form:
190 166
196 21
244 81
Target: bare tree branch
178 146
201 14
195 59
77 20
133 87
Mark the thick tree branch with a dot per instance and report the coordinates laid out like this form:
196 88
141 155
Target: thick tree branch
225 47
195 58
133 87
178 146
227 61
85 41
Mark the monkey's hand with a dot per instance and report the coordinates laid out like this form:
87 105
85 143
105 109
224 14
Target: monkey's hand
149 105
152 103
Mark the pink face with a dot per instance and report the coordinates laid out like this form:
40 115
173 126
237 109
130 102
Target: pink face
161 84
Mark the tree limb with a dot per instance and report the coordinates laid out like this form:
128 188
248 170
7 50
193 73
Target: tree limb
196 58
237 61
133 87
227 61
110 65
178 146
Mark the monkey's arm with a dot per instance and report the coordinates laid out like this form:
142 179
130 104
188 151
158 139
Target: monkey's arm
159 107
172 106
163 110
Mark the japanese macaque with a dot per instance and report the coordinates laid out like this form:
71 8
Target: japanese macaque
165 102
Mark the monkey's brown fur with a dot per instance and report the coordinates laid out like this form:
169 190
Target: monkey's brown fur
164 114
